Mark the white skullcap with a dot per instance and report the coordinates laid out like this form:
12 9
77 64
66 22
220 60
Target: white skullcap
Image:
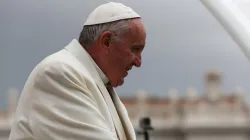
109 12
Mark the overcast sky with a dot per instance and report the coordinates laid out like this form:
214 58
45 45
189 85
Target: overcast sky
184 41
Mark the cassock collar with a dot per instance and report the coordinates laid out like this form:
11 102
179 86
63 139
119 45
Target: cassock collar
76 48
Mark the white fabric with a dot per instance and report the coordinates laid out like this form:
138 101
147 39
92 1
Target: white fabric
64 98
109 12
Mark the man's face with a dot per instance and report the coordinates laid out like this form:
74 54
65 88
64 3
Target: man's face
126 53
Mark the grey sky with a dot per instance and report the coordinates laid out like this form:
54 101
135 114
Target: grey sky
183 42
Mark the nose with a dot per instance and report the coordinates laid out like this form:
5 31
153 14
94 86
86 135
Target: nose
137 61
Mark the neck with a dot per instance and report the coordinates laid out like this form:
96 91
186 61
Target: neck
98 57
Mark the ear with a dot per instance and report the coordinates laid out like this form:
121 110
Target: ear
105 40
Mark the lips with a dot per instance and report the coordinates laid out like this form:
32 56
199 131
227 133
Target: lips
128 69
126 73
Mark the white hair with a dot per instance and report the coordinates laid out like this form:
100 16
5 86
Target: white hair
91 33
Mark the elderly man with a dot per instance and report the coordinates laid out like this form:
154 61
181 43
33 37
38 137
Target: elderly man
70 95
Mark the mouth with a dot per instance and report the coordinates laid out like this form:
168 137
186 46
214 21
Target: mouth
128 69
125 74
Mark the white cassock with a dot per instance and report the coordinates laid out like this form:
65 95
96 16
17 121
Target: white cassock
65 98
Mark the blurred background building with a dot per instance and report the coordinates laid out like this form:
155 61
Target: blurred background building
212 115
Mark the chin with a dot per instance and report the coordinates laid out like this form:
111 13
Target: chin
119 82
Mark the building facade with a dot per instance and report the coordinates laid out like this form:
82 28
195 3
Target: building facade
213 115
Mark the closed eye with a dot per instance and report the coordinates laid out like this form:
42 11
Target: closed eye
137 49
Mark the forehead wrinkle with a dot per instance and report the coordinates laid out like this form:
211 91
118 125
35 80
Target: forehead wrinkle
136 36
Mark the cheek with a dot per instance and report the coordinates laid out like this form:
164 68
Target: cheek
120 63
124 59
128 59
